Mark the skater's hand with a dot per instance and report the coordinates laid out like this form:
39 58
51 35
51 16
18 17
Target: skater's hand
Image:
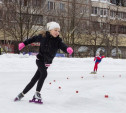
21 46
103 56
69 50
94 59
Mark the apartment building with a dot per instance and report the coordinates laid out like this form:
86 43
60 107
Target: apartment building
71 14
113 14
75 18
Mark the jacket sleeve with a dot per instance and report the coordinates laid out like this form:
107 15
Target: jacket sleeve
62 46
98 58
36 38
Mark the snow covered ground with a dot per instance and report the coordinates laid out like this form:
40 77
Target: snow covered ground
71 74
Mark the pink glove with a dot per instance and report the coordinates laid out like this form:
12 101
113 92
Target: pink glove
21 46
47 65
69 50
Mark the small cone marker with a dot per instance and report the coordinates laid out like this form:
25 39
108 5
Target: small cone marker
106 96
76 91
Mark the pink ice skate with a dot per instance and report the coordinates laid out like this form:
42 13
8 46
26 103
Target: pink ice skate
36 98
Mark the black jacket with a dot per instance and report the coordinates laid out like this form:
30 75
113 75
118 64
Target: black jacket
48 46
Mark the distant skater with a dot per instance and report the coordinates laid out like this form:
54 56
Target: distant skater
97 60
50 43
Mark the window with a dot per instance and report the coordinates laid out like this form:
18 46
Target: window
6 1
105 0
37 19
99 11
112 29
118 2
62 6
120 15
121 29
112 14
124 15
95 10
113 1
26 17
1 14
49 19
25 2
51 5
96 25
36 2
19 2
103 11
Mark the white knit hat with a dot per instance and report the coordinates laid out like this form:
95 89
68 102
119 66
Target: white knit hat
97 53
52 25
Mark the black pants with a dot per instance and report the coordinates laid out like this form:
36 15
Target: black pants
39 76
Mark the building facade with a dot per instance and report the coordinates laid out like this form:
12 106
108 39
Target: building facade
73 16
111 14
84 23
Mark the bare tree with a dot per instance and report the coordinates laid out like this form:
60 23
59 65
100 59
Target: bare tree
73 21
21 19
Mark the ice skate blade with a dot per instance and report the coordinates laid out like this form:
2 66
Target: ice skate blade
37 102
16 99
93 73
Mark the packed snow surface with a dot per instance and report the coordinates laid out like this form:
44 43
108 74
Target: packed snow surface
68 88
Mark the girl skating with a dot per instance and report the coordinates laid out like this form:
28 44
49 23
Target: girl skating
50 42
